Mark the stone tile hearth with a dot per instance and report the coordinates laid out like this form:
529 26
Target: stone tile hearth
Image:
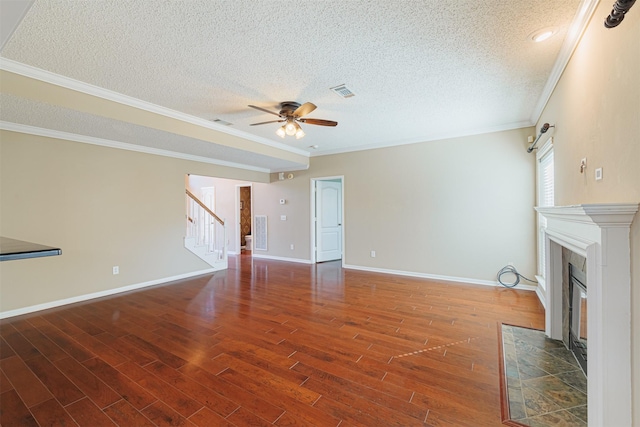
546 386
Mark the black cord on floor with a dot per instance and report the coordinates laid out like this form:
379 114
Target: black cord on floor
510 269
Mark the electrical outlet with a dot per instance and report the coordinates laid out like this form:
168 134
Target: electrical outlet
292 246
116 269
283 217
373 254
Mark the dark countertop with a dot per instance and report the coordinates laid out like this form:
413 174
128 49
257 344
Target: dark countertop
11 249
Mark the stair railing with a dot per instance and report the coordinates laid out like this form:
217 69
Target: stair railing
206 227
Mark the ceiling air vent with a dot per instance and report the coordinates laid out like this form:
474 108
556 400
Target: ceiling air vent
221 122
343 91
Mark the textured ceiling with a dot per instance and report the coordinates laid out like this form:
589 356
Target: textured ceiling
420 70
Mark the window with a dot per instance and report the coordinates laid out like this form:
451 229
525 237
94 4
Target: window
545 174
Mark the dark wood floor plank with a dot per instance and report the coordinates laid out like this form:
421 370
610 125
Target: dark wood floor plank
359 391
5 384
160 353
123 414
61 323
104 320
57 383
300 410
126 349
346 414
270 380
95 346
81 322
411 415
45 346
130 391
162 415
243 417
198 392
205 417
87 382
233 392
13 412
166 393
50 413
24 381
5 349
66 342
86 413
266 342
19 344
281 368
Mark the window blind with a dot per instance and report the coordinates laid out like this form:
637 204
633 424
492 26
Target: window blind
545 198
546 179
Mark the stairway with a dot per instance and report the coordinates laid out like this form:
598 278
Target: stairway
206 235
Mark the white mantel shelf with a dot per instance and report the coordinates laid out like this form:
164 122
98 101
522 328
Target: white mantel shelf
604 214
600 233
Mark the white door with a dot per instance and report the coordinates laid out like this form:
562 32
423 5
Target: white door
328 220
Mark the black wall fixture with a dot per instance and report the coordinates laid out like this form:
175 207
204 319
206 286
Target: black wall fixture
620 8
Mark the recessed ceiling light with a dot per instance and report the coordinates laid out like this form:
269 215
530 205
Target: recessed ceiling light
542 35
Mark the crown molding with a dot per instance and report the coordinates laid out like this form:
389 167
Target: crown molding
49 133
436 137
578 26
89 89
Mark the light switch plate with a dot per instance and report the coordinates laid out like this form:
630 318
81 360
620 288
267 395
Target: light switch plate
283 217
598 174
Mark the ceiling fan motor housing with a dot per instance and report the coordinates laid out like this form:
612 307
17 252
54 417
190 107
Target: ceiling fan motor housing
288 107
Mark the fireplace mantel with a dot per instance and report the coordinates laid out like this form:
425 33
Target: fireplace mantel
600 233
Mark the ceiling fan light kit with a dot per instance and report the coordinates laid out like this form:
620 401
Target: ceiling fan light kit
290 114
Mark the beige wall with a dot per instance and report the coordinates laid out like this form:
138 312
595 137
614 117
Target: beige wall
266 201
596 109
461 207
103 207
456 208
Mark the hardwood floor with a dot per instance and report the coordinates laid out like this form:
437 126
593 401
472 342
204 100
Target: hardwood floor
263 343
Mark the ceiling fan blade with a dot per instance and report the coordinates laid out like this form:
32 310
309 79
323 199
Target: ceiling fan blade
319 122
304 109
264 123
265 110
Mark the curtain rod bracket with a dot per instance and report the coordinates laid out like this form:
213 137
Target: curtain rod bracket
620 8
545 127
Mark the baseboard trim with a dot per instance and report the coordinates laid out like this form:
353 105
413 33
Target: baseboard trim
540 291
86 297
278 258
437 277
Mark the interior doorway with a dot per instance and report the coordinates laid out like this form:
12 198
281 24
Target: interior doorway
244 219
327 234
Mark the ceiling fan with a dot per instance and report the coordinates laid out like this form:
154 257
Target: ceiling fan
291 113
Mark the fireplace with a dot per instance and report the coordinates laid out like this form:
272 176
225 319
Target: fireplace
576 339
600 234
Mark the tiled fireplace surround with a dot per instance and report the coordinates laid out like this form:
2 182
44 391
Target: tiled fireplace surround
600 233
